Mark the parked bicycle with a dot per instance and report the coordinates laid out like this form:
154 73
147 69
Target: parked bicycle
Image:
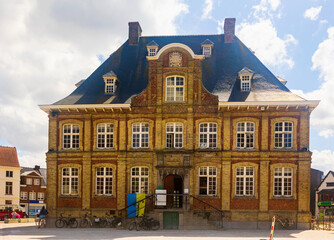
86 221
285 223
66 221
109 221
145 224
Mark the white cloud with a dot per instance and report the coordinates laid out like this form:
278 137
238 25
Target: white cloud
322 117
323 160
312 13
266 8
48 46
207 9
262 37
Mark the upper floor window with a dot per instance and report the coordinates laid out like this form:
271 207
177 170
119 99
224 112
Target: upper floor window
32 195
139 180
174 135
140 135
330 184
207 47
283 134
208 181
283 182
70 181
208 135
245 83
104 180
9 174
152 48
28 181
36 182
110 80
152 52
175 89
24 195
244 182
71 136
105 135
9 188
245 135
40 196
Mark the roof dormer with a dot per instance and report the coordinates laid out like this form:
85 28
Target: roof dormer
245 76
207 46
110 80
152 48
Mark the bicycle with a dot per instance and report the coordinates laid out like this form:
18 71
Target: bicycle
63 221
285 223
108 221
40 222
86 221
147 224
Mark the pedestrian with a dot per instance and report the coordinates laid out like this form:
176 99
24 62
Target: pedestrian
42 214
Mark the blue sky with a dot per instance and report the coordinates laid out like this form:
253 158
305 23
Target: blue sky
48 46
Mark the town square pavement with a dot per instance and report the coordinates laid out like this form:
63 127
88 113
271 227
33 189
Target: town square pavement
17 231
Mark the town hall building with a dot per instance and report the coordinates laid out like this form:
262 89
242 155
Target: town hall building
199 116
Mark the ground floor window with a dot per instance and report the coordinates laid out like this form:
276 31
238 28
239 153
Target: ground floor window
104 180
208 181
70 181
139 180
283 182
244 181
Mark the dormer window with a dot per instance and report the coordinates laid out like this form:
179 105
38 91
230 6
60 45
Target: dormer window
152 48
207 46
245 76
110 80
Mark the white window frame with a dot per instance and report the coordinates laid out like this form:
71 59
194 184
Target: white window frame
37 182
140 180
40 196
140 133
73 136
245 83
245 138
210 174
105 135
244 181
174 135
283 182
28 181
283 136
208 135
207 51
73 181
104 181
172 88
32 195
24 196
110 85
152 51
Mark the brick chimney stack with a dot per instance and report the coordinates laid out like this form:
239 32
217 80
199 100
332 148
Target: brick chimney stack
229 30
134 33
37 167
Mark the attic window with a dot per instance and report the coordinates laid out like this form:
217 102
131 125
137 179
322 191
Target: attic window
245 76
152 48
207 48
110 80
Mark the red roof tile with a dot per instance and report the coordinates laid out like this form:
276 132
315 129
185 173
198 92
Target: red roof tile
8 157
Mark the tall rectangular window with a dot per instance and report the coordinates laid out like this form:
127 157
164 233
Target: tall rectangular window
174 135
208 135
283 134
9 188
24 195
40 196
283 182
245 135
104 180
70 181
208 181
244 181
245 83
175 89
139 180
32 196
9 174
36 182
110 86
105 135
71 136
28 181
140 135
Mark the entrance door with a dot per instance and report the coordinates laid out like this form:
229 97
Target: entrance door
174 185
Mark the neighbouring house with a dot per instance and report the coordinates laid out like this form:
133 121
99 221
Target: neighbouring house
33 189
197 116
325 196
316 178
9 176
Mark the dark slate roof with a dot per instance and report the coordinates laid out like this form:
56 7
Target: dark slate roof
110 74
220 73
207 42
331 190
246 70
41 171
152 43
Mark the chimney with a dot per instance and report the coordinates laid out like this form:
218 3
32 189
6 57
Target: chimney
134 33
229 29
37 167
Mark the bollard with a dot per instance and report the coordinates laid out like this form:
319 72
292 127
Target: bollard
272 229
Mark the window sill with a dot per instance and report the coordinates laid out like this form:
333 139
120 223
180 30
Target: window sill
283 198
141 149
244 197
105 196
284 149
105 149
208 149
70 150
246 150
69 196
207 196
173 102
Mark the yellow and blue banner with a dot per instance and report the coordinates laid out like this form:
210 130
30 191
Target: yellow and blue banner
136 208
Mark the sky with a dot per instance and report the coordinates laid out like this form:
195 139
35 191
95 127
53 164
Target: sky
47 46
